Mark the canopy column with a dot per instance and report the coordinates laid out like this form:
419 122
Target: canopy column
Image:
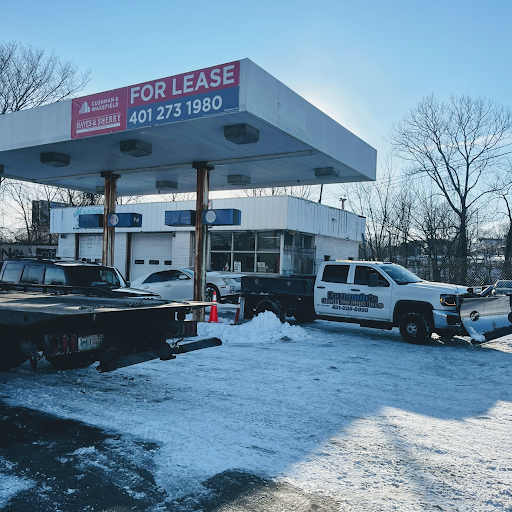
110 207
202 191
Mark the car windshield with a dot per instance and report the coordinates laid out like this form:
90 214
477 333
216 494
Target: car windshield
96 276
399 274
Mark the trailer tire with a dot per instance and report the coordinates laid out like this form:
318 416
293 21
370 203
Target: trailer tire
274 306
12 357
71 362
415 328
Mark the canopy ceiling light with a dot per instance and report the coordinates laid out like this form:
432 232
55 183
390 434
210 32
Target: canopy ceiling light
239 179
241 133
54 159
135 147
167 185
327 172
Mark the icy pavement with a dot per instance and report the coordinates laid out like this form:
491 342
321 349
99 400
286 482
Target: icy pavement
349 413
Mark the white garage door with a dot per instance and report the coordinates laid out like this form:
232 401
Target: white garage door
90 247
150 252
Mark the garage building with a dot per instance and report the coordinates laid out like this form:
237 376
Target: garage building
277 235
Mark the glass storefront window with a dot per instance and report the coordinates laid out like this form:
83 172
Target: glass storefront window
244 241
268 262
243 262
269 240
220 261
220 241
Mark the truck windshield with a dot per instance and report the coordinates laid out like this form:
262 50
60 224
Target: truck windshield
399 274
96 276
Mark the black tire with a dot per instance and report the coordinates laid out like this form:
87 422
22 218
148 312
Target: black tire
12 357
71 361
306 314
210 288
274 306
415 328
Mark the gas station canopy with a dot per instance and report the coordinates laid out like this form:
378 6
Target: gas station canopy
252 129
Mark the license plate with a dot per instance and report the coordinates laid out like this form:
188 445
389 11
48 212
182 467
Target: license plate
90 342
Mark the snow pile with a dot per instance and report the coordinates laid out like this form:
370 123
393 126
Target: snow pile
10 486
264 328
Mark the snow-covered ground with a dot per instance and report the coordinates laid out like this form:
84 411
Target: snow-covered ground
335 409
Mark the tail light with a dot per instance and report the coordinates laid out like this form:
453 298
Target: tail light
190 328
64 343
72 343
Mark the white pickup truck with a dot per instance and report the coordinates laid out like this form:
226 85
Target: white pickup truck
372 294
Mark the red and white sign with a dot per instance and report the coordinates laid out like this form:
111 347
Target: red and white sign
106 112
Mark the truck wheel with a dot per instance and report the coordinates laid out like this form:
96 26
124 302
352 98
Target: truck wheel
305 315
12 357
271 305
71 361
415 328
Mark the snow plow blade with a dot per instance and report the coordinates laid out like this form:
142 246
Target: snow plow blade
487 318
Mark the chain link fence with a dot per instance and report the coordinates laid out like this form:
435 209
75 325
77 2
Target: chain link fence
469 272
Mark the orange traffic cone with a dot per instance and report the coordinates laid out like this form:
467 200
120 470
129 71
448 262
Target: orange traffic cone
237 314
213 310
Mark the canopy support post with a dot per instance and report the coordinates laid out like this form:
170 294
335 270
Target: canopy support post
202 191
109 208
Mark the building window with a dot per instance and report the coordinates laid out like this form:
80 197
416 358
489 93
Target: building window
243 262
220 261
268 262
269 241
244 241
220 241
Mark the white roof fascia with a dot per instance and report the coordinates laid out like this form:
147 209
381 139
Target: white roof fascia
36 126
267 98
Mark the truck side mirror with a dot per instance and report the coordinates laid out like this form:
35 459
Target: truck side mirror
374 281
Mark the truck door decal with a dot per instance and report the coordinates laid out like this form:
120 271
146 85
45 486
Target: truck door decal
359 300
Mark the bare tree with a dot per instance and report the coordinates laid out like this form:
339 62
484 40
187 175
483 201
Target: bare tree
308 192
501 185
30 77
377 201
454 144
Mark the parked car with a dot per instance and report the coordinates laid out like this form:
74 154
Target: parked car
501 287
178 284
73 276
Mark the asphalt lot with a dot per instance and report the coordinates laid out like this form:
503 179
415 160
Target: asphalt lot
279 418
45 449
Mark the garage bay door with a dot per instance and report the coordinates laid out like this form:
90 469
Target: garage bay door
150 252
90 247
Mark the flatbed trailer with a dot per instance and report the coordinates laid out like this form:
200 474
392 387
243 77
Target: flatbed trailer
73 330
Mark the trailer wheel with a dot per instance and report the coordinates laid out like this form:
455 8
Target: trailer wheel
271 305
71 361
415 328
11 357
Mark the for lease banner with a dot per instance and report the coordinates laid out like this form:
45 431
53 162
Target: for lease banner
200 93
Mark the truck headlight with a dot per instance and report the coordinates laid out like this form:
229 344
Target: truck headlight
227 281
448 299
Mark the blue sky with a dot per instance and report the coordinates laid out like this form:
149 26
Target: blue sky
364 63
